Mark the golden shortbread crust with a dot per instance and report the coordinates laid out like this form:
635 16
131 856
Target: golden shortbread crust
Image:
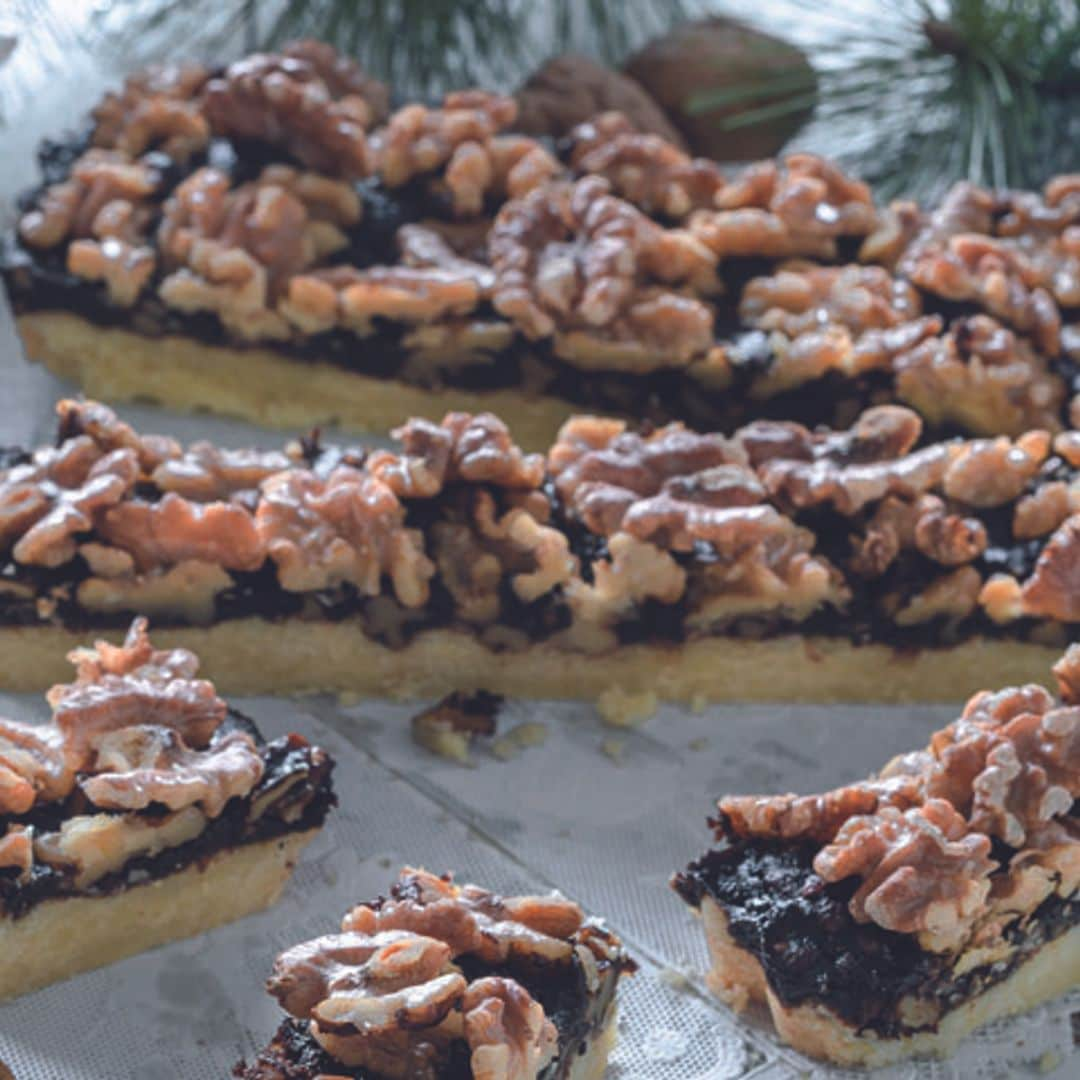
260 385
68 935
738 978
256 656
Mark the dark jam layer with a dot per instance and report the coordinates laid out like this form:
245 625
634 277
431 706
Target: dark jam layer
284 759
812 950
578 1015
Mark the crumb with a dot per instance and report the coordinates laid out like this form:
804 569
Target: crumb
449 726
614 749
621 709
699 703
700 743
508 746
676 979
1050 1060
348 698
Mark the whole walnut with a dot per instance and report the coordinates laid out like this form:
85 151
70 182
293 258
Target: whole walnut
720 54
567 90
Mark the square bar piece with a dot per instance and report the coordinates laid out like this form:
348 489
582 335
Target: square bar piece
890 918
144 812
439 981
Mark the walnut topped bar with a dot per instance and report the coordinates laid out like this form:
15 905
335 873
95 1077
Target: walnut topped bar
438 980
866 561
145 810
268 239
891 917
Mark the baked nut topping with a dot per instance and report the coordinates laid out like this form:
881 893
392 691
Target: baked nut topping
803 297
1052 589
134 683
463 448
874 527
317 111
922 870
949 841
799 208
106 196
646 169
574 259
348 526
507 1031
44 504
473 921
174 530
140 765
418 140
982 376
813 817
388 993
17 849
205 473
156 109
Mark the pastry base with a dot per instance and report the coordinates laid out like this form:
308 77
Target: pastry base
68 935
593 1063
262 656
738 978
259 384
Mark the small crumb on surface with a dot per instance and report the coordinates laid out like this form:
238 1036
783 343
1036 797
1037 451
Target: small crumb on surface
449 727
524 735
348 698
1050 1060
614 749
621 709
700 743
677 980
699 703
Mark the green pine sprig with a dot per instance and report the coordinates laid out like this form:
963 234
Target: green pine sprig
926 92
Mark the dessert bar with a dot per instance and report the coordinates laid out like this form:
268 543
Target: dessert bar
439 981
145 811
870 563
266 239
889 918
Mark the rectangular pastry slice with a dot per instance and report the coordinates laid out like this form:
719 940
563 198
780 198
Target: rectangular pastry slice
145 811
264 240
777 563
890 918
440 981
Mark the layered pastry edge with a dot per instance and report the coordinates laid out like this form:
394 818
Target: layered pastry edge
342 256
437 980
890 918
145 810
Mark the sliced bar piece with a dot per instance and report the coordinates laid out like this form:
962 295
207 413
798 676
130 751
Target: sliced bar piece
144 812
445 981
265 240
890 918
777 563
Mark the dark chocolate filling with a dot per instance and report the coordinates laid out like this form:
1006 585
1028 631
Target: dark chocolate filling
577 1014
813 951
301 806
